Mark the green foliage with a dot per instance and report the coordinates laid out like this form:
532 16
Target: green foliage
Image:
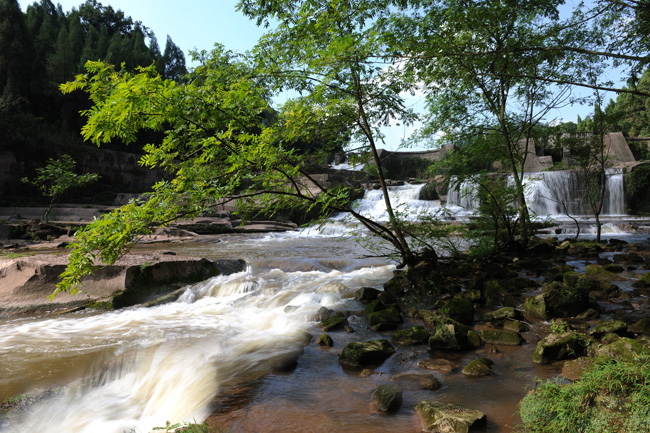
559 326
612 396
637 188
183 427
57 178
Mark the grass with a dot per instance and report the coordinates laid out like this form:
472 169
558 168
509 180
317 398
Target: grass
17 255
611 397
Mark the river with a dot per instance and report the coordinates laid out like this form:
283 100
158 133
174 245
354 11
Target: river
214 354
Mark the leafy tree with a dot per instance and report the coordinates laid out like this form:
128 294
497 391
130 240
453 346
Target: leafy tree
332 53
57 178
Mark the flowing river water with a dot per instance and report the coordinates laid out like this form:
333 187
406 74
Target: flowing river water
214 354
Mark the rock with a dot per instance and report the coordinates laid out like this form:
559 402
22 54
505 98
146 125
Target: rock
574 369
416 381
374 306
499 316
626 258
589 314
641 326
411 337
609 326
398 285
642 282
321 315
478 367
613 268
325 340
336 321
507 338
387 398
448 334
623 349
382 320
515 326
437 416
366 294
556 347
459 309
441 365
600 273
559 300
362 354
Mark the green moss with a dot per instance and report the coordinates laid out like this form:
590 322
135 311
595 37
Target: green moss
101 305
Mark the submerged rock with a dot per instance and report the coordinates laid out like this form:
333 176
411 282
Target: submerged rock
325 340
416 381
362 354
436 416
439 364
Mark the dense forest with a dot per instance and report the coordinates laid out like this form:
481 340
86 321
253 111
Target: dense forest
46 46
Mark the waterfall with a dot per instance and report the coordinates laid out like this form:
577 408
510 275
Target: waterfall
463 195
558 193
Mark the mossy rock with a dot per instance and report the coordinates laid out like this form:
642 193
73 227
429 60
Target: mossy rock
626 258
337 321
363 354
478 367
387 398
623 349
515 326
574 369
398 285
325 340
447 333
471 295
382 320
375 306
613 268
536 306
366 294
506 338
607 327
459 309
556 347
600 273
641 326
498 317
437 416
558 300
644 281
473 339
411 337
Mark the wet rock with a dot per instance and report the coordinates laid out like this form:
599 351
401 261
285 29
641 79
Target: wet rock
387 398
623 349
626 258
449 334
366 294
556 347
440 364
515 326
500 316
641 326
416 381
459 309
334 322
375 306
589 314
495 336
559 300
642 282
382 320
613 268
321 315
607 327
411 337
478 367
600 273
325 340
387 298
437 416
574 369
362 354
398 285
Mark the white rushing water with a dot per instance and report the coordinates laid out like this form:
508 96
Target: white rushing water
153 365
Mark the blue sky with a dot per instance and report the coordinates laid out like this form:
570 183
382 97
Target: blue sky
199 24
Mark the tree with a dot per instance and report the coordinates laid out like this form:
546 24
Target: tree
57 178
15 50
173 61
480 70
332 53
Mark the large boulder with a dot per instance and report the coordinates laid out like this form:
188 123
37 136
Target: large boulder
411 337
388 318
448 334
478 367
559 300
363 354
460 309
495 336
623 349
437 416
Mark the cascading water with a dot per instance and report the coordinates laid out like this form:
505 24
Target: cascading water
462 197
558 193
